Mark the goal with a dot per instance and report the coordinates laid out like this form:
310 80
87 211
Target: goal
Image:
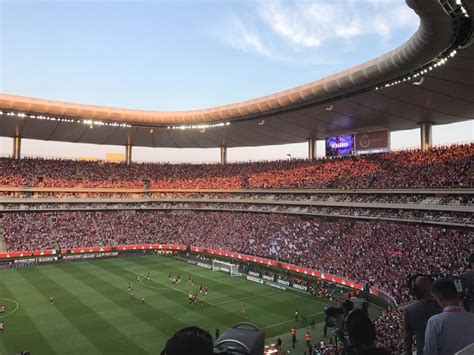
232 269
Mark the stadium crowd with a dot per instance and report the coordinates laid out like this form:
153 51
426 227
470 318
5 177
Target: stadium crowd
373 252
440 167
381 254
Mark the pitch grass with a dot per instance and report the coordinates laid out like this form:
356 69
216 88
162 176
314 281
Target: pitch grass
93 312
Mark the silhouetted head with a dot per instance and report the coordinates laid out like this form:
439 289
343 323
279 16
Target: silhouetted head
189 341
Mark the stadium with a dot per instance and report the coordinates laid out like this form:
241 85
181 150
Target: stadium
115 257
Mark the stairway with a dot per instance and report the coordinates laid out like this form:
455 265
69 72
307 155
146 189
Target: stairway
3 245
52 228
96 228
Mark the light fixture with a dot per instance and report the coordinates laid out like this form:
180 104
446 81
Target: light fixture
418 83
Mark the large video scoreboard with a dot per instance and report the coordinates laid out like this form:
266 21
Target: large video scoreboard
359 143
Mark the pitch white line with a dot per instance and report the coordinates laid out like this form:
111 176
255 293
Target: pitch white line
245 298
14 310
289 321
161 283
155 288
198 274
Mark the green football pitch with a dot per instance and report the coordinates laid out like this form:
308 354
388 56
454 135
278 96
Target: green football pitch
93 312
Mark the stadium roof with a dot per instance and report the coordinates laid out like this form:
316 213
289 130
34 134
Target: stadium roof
430 78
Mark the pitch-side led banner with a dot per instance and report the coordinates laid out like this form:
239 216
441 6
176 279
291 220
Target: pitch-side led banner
372 142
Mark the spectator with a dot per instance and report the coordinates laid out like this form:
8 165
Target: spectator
361 334
451 330
417 315
189 341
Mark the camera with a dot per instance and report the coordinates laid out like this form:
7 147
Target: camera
243 338
337 317
465 291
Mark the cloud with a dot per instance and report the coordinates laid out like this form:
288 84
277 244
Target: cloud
284 30
310 24
241 37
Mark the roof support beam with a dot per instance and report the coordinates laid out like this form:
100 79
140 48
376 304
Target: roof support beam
223 155
311 148
16 147
128 153
425 135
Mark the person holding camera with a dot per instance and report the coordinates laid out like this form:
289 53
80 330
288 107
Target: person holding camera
453 329
417 315
360 333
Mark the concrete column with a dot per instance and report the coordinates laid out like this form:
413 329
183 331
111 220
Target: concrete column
311 148
425 130
17 147
128 153
223 155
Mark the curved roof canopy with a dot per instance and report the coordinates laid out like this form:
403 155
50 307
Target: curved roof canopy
430 78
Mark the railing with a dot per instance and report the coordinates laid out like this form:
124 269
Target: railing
26 189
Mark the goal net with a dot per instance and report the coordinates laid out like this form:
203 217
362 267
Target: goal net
232 269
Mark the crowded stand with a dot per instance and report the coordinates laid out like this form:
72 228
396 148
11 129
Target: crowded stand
66 227
441 167
28 231
381 254
389 327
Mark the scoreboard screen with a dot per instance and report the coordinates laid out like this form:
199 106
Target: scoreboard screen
339 145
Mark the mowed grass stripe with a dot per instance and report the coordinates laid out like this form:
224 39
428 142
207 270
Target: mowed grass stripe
57 329
253 293
140 320
216 287
27 334
263 309
173 300
102 286
101 333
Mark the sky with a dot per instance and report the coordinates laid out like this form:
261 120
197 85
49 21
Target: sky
190 54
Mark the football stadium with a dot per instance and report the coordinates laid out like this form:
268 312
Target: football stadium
355 248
